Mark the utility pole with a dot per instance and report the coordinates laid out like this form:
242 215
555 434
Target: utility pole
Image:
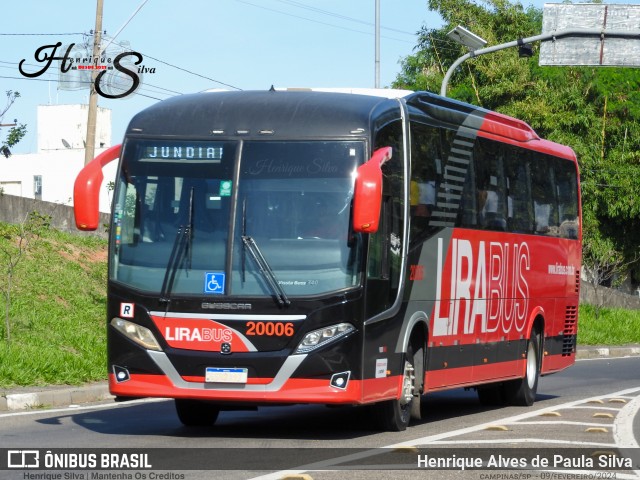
90 143
377 82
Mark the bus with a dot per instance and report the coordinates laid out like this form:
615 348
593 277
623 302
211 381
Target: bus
341 248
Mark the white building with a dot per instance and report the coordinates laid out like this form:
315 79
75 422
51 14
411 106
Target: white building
50 173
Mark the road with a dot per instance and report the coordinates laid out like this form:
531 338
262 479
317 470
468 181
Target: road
591 405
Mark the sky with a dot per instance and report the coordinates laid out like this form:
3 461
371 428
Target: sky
244 44
195 45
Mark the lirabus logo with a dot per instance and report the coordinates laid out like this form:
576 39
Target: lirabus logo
487 285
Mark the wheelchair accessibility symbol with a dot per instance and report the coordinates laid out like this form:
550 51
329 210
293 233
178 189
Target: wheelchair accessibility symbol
214 282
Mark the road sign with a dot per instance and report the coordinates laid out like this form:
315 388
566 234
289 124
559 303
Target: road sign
589 49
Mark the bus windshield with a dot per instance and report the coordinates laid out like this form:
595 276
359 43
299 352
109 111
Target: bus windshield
184 225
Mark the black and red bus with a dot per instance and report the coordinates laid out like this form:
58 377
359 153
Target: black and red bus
281 247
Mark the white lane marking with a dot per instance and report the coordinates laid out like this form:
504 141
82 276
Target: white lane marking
438 438
624 425
525 440
623 433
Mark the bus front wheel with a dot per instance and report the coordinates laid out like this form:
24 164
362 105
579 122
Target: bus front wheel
196 413
394 415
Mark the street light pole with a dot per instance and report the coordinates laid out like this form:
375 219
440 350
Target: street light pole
377 60
578 32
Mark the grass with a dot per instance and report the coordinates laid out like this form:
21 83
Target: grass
58 315
613 326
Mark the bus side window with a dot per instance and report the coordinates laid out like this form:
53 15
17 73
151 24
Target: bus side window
491 186
425 161
543 193
519 205
566 184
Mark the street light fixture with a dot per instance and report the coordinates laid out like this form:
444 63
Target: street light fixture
525 47
467 38
470 40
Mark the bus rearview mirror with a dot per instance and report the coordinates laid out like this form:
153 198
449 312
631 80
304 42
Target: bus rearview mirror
367 201
86 190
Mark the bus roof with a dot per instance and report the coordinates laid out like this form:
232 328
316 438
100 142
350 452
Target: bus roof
374 92
298 113
280 114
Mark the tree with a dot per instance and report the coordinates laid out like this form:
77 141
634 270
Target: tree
16 132
596 111
606 266
18 240
487 80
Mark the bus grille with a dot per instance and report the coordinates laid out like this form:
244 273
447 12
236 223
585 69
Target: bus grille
570 331
578 282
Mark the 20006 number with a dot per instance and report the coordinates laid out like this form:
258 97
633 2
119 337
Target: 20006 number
270 329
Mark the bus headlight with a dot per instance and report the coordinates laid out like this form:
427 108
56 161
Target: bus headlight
139 334
322 336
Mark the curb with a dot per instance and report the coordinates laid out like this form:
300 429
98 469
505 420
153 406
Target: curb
585 353
33 398
48 397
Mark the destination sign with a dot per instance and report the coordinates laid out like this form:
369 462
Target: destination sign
184 152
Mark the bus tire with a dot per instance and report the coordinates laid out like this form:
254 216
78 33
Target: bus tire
394 415
522 392
196 413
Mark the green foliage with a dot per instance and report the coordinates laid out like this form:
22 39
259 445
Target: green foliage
17 132
596 111
15 135
58 312
609 326
20 239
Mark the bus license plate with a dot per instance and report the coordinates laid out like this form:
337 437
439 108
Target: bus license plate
225 375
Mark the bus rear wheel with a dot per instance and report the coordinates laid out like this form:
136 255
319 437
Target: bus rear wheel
196 413
394 415
522 392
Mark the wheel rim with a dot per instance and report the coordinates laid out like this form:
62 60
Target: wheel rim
532 365
408 385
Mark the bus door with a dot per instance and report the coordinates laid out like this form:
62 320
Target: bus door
383 274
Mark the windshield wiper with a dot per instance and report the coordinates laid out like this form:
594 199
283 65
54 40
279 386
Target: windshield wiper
244 234
181 244
266 270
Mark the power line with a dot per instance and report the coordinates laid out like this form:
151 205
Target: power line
170 65
126 23
54 78
318 21
62 81
340 16
190 72
452 46
39 34
182 69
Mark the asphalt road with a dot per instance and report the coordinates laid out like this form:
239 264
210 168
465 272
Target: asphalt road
590 406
